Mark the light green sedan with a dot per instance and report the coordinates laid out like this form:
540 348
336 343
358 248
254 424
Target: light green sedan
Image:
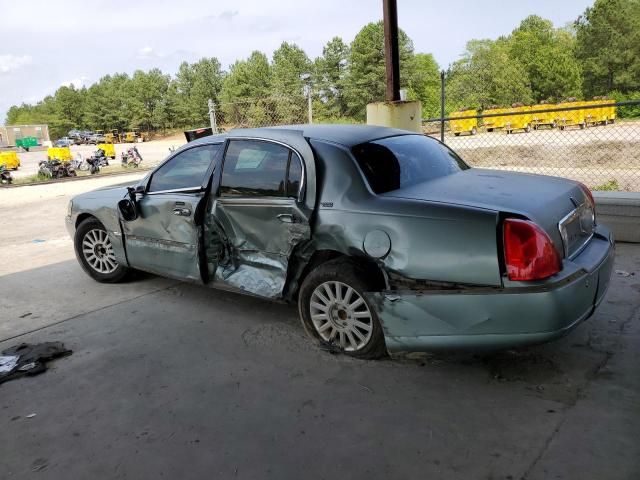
386 239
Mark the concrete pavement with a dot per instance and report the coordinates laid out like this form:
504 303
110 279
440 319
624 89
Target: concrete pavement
179 381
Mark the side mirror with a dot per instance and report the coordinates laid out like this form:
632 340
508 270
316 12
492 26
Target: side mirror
139 189
128 210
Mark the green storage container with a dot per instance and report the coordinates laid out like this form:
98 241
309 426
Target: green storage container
26 142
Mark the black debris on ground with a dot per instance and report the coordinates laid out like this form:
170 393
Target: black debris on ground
29 359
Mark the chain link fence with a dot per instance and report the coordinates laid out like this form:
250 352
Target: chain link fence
585 141
594 142
263 112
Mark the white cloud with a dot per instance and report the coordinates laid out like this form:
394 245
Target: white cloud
10 63
146 52
77 83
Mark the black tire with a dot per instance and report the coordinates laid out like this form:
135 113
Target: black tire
349 274
86 226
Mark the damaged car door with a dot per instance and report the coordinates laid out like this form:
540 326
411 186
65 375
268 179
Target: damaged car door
257 218
164 238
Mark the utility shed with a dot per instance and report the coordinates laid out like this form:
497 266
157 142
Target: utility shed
10 133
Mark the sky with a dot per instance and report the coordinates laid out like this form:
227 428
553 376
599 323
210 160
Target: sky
46 44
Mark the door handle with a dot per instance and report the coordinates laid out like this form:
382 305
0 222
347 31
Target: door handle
286 218
182 212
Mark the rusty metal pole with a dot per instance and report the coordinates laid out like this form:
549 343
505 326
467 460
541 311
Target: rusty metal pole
442 80
391 50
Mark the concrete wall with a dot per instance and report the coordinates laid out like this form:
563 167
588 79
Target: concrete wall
620 211
10 133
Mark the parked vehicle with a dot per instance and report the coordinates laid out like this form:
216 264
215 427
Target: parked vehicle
540 118
10 160
519 120
131 157
97 160
59 153
26 143
386 239
95 139
56 169
5 175
108 149
464 125
79 163
570 118
494 123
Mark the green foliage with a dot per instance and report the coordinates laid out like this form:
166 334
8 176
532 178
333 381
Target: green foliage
611 186
598 55
365 79
487 75
608 46
329 79
630 111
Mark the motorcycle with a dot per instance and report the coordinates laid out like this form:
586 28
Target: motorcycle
5 175
79 163
131 158
56 169
97 160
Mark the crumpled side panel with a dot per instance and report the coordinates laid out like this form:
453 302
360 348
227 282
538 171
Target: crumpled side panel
248 247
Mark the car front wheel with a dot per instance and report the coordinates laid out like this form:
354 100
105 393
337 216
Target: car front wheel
334 310
95 253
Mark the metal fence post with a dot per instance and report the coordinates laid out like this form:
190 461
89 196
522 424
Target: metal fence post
310 104
212 116
442 117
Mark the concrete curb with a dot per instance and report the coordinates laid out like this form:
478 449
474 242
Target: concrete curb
620 211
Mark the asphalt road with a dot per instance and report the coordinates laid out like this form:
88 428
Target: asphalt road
176 380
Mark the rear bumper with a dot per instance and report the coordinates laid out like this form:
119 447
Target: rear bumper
517 315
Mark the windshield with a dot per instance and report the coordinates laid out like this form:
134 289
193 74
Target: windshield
398 162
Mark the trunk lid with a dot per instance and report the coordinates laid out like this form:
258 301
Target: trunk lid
545 200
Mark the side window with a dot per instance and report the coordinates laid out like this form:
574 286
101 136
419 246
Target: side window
185 170
256 168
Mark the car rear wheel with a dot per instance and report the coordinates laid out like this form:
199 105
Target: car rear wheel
94 252
334 310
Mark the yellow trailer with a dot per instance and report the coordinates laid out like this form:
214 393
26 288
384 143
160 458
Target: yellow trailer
109 149
10 160
464 125
493 123
59 153
544 118
571 118
519 120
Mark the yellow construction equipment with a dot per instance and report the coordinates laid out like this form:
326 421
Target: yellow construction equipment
59 153
10 160
519 120
464 125
543 119
493 123
572 118
108 148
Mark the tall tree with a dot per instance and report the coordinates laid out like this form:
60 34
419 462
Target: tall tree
291 71
548 58
487 75
365 80
608 46
195 85
329 72
424 84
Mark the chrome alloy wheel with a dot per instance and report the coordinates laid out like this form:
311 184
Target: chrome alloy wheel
340 315
98 251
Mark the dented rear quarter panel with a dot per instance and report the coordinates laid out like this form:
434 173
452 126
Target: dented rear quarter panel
429 240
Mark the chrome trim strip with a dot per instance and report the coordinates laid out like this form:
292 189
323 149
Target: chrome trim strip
177 190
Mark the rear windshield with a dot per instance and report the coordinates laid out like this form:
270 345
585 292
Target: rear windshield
398 162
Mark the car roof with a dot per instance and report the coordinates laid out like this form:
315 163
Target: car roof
347 135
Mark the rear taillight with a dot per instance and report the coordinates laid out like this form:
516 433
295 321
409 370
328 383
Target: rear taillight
529 253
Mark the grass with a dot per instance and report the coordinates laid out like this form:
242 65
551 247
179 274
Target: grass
610 186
